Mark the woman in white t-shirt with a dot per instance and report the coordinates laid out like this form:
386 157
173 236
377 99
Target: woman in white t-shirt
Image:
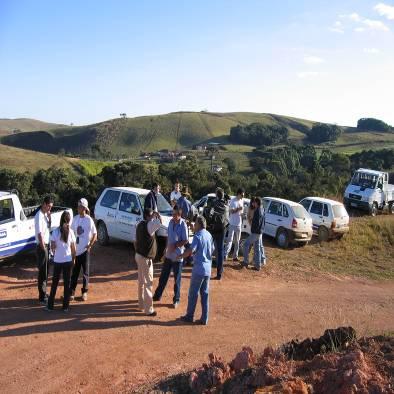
64 250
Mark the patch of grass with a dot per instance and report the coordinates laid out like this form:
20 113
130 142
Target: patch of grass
94 167
366 251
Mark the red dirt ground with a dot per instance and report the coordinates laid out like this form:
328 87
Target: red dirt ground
106 345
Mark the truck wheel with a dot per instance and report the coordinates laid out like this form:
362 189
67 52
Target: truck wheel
102 234
282 238
323 234
391 208
374 209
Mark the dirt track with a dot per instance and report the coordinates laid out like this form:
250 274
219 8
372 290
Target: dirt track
107 345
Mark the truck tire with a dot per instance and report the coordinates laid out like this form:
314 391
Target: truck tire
391 208
102 234
374 209
282 238
323 234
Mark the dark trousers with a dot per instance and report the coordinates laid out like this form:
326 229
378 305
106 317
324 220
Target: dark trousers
166 269
218 239
81 261
43 268
161 247
58 269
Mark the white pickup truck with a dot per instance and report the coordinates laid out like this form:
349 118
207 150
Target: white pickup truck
370 190
119 209
17 232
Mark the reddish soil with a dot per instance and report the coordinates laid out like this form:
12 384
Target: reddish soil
107 345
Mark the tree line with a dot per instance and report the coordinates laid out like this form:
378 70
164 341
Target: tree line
291 172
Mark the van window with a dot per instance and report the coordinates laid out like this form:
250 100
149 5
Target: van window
110 199
275 208
306 203
317 208
6 211
339 211
300 212
325 211
129 203
285 211
163 206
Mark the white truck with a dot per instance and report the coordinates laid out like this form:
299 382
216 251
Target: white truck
17 231
119 209
370 191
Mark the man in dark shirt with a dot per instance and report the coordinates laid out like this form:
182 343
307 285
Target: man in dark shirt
151 198
256 237
146 248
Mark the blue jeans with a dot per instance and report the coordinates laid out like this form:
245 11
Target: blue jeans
218 239
166 269
255 240
234 232
198 284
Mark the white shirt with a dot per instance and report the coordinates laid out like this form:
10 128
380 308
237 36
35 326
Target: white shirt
153 226
175 196
63 249
41 225
235 219
84 229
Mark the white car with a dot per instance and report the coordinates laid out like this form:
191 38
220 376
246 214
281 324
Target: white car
287 221
330 218
119 209
17 231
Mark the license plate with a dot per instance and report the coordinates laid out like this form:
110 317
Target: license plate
353 204
303 235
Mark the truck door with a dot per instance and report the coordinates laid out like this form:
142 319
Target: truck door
129 215
380 195
9 240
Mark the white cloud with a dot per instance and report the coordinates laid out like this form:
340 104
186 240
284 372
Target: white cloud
309 74
375 25
313 60
372 51
385 10
353 16
336 30
359 29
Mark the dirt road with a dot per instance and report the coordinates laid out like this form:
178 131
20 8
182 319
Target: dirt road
107 345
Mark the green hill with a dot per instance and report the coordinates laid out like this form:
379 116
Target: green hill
176 130
9 126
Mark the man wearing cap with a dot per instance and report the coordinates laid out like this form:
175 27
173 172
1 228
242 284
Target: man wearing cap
86 235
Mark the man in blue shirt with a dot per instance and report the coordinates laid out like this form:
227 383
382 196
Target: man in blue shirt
202 249
176 240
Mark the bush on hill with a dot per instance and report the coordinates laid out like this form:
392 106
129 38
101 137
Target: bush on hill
322 132
257 134
372 124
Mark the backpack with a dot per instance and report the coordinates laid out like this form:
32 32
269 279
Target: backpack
218 217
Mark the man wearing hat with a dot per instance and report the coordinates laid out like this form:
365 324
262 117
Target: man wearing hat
86 235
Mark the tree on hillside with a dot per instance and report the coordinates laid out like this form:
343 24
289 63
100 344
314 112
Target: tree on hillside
322 132
258 134
372 124
231 164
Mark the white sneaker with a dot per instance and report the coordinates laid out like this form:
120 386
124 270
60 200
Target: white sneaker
84 296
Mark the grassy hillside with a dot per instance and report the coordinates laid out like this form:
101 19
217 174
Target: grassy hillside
7 126
176 131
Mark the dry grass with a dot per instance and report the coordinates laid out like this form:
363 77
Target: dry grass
366 251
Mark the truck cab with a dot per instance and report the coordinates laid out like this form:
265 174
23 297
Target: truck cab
17 232
369 190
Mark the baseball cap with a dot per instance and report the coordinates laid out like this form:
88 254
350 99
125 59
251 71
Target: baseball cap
84 203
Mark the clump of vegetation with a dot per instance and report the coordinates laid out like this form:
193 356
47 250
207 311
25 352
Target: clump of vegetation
372 124
258 134
322 132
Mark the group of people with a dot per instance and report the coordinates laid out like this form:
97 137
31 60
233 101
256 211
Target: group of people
209 236
218 230
68 246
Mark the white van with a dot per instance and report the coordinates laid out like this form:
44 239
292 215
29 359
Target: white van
119 209
330 218
287 221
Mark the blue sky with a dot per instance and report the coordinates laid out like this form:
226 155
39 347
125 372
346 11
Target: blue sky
87 61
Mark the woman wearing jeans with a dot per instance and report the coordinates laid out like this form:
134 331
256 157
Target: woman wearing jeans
63 249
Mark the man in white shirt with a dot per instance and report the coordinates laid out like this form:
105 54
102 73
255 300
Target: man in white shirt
86 235
235 221
175 194
42 225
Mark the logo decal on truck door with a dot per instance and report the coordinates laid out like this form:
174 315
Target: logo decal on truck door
3 234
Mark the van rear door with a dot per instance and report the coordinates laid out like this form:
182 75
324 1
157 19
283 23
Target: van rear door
10 243
129 215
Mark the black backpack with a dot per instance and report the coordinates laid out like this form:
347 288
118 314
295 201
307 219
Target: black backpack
218 217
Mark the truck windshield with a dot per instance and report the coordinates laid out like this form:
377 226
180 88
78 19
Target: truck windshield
365 180
163 206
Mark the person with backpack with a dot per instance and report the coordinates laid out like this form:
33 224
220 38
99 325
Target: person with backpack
63 247
256 237
217 218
